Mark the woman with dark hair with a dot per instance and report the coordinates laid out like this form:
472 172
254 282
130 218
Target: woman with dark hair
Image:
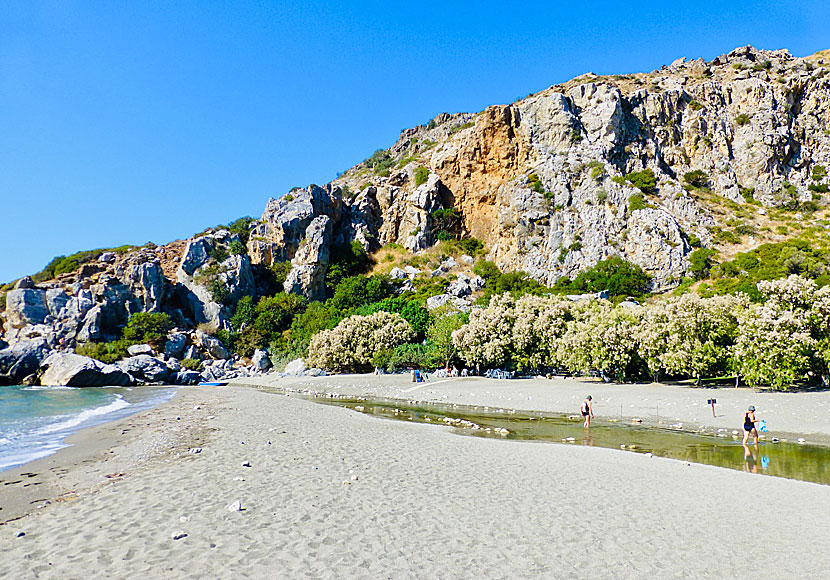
587 410
749 425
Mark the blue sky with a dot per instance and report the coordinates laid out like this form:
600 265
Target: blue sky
129 122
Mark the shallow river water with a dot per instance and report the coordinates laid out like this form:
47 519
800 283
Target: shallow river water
789 459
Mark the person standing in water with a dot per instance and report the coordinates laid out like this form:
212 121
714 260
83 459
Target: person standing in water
587 410
749 425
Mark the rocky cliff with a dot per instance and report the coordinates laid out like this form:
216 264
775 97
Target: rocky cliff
542 181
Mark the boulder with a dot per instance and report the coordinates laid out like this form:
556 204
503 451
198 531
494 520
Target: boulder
74 370
91 325
397 274
192 353
260 360
411 271
145 368
466 259
185 377
307 276
137 349
438 301
295 367
212 345
25 283
22 359
176 342
25 306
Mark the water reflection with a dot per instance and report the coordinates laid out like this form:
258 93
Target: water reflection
784 459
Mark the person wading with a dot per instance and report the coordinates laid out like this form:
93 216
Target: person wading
587 410
749 425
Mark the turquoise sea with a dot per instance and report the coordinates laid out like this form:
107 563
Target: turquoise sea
35 421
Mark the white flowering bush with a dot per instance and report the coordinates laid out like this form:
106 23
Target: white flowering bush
488 338
690 335
351 345
539 325
602 337
775 344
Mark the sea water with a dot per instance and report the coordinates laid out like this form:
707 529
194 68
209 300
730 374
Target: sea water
35 421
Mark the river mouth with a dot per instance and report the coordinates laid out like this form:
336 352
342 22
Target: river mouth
720 448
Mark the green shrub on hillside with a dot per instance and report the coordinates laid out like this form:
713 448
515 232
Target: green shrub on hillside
421 175
346 260
701 262
66 264
619 277
636 202
742 119
148 327
644 180
696 178
106 352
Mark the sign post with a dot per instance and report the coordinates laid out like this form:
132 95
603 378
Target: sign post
712 402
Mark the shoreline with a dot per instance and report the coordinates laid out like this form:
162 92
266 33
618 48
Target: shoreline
788 415
94 456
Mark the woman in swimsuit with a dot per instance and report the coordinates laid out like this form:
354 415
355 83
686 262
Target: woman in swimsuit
587 410
749 425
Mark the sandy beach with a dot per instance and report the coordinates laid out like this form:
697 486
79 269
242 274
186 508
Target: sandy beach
329 493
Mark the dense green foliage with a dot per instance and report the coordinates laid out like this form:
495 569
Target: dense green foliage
516 283
769 262
148 327
619 277
421 175
412 311
700 262
644 180
106 352
345 260
696 178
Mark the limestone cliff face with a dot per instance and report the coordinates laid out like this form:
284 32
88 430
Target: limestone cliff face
541 181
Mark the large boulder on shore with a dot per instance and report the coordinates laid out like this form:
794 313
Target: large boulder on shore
145 368
73 370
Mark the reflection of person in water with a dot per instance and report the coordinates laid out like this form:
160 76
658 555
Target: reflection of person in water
750 459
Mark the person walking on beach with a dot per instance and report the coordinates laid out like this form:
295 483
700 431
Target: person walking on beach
749 425
587 410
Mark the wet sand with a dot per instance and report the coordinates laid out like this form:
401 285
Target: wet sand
330 493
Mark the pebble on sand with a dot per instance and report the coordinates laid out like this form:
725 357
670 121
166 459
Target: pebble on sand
246 464
194 450
179 534
235 506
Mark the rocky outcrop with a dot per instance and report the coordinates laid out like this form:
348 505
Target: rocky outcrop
21 360
72 370
212 274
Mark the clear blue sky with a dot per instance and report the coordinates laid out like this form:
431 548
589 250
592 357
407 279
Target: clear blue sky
128 122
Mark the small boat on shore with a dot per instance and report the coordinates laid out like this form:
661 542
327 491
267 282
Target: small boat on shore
214 384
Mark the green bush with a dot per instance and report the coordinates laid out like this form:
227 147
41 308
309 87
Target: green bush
447 220
356 291
237 248
346 260
700 262
191 364
106 352
818 188
695 106
742 119
576 136
409 355
67 264
421 175
536 183
644 180
696 178
617 276
819 172
416 315
381 162
636 202
148 327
